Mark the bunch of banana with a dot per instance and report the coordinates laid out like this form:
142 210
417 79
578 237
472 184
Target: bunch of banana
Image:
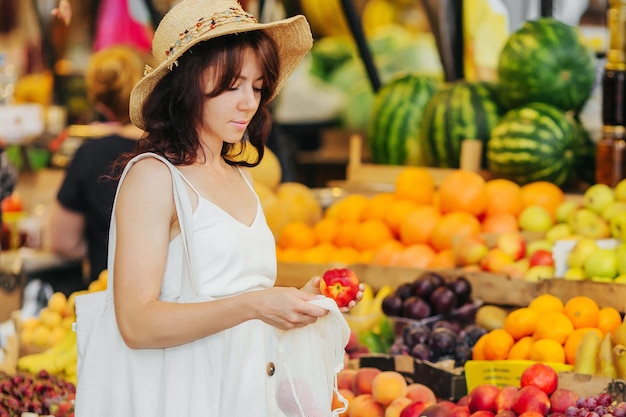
602 356
326 17
60 359
371 303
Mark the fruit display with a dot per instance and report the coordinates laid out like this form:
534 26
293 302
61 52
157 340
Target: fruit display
42 394
457 111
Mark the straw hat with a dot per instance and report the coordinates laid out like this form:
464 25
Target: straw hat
192 21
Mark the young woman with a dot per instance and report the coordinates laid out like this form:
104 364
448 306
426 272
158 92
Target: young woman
217 70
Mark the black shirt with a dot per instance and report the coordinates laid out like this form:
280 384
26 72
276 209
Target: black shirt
85 190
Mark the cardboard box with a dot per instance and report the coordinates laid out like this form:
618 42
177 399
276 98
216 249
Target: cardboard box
444 383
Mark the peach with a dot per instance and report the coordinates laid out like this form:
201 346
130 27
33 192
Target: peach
414 409
530 414
562 398
388 385
420 392
504 399
337 404
363 378
364 405
483 397
531 399
345 378
396 406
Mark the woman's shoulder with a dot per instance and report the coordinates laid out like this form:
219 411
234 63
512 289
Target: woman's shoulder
148 169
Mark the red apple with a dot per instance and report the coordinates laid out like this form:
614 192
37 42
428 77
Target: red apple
562 398
435 410
512 243
463 400
504 399
506 413
531 399
340 284
540 375
482 413
414 409
483 397
541 257
459 411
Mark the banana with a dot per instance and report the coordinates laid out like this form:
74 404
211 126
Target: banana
606 366
54 359
377 303
619 359
363 307
587 354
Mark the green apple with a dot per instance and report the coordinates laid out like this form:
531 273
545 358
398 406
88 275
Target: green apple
601 279
574 274
612 209
559 231
535 245
564 210
539 272
618 226
620 251
620 190
535 218
601 263
621 279
597 197
581 250
588 223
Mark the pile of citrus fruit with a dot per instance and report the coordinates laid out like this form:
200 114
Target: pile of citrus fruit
547 330
416 224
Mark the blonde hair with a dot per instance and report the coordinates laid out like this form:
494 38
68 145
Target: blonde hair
111 75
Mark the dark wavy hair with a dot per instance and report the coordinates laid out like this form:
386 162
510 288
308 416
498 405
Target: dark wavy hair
173 110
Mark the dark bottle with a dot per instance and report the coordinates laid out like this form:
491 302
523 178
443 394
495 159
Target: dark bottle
611 156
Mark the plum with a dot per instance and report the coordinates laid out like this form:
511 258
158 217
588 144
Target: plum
442 342
404 291
422 352
452 325
423 287
442 300
471 333
415 333
392 305
415 308
462 354
399 348
436 277
462 288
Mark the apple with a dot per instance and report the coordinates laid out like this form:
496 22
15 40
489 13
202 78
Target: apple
414 409
459 411
620 252
534 245
561 399
620 190
469 250
612 209
618 226
620 279
574 273
496 260
581 250
483 397
504 399
535 218
597 197
541 257
517 269
539 272
564 210
531 399
601 263
512 243
340 284
588 223
540 375
559 231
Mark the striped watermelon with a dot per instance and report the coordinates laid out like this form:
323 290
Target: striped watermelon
396 116
545 61
458 110
532 143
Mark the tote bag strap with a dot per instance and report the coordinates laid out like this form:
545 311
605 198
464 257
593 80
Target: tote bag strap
184 213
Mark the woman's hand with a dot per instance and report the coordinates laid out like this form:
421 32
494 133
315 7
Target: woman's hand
313 287
63 11
286 308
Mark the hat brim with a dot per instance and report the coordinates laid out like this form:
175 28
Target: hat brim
292 37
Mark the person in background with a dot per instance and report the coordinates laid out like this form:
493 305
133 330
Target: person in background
79 218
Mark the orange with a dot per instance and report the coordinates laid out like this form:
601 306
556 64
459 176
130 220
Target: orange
451 225
350 208
371 234
503 196
344 256
547 350
326 229
498 344
444 259
289 255
397 212
415 184
388 253
297 235
377 206
346 234
521 322
542 193
418 225
419 256
553 325
500 223
573 340
478 350
609 319
521 349
582 311
546 302
317 254
463 191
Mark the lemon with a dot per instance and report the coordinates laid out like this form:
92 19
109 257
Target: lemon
41 335
49 317
57 302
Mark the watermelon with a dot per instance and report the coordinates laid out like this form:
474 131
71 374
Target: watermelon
458 110
393 130
546 61
532 143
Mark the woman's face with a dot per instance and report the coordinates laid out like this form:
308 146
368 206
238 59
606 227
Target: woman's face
226 117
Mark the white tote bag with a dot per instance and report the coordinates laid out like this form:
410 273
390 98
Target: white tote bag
117 381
